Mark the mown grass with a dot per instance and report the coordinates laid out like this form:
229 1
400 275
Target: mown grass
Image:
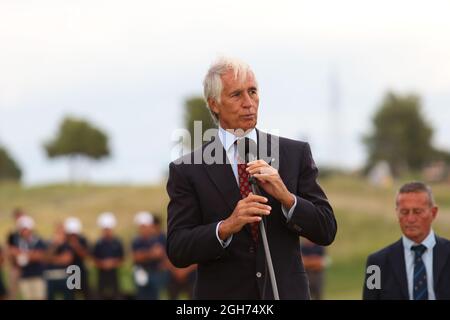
365 215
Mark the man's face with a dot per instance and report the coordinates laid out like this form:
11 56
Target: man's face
146 230
26 233
415 215
238 107
107 233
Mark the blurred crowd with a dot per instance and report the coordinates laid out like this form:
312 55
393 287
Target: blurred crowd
39 268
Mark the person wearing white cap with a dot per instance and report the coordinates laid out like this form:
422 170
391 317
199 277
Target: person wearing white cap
59 257
72 225
108 256
14 270
28 250
149 258
80 247
143 218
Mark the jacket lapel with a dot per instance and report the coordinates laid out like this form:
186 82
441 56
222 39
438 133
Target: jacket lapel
397 260
440 256
222 176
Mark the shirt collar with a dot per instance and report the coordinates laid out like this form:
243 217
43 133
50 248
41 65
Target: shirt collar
428 242
227 138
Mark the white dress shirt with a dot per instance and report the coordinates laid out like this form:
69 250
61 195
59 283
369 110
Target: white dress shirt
227 139
427 258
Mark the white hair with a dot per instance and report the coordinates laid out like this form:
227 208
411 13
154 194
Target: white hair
212 84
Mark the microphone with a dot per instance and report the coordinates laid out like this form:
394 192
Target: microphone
248 151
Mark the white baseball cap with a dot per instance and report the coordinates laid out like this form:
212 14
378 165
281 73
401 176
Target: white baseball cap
107 220
143 218
25 222
72 225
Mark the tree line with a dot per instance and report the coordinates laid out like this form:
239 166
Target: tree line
401 136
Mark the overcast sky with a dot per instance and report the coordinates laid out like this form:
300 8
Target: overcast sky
127 66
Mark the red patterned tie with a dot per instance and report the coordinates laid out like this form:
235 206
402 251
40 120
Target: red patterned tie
245 189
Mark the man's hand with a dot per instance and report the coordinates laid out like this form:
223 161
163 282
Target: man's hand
73 241
157 252
269 179
247 210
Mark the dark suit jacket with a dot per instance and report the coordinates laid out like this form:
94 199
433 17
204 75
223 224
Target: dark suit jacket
394 285
201 195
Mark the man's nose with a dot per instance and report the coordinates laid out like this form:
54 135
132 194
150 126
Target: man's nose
248 101
411 217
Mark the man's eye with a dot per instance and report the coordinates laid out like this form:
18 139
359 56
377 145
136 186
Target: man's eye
253 91
404 212
236 94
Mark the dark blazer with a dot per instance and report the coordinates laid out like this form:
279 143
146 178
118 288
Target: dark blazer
394 284
201 195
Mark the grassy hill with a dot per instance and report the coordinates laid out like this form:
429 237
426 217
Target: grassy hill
365 215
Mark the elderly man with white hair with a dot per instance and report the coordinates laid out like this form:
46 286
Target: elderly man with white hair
214 218
108 256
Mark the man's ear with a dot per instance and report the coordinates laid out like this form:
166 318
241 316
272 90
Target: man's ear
434 211
213 105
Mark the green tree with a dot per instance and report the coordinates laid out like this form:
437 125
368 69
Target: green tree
9 169
77 140
401 135
196 110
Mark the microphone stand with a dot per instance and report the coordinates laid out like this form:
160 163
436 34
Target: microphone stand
273 281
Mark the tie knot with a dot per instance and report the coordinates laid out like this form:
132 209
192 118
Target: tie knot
419 249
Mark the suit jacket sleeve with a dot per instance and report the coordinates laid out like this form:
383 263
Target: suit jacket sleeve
313 216
189 241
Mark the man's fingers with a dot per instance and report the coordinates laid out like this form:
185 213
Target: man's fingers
254 219
264 177
257 162
255 198
253 210
251 219
263 170
257 205
258 169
